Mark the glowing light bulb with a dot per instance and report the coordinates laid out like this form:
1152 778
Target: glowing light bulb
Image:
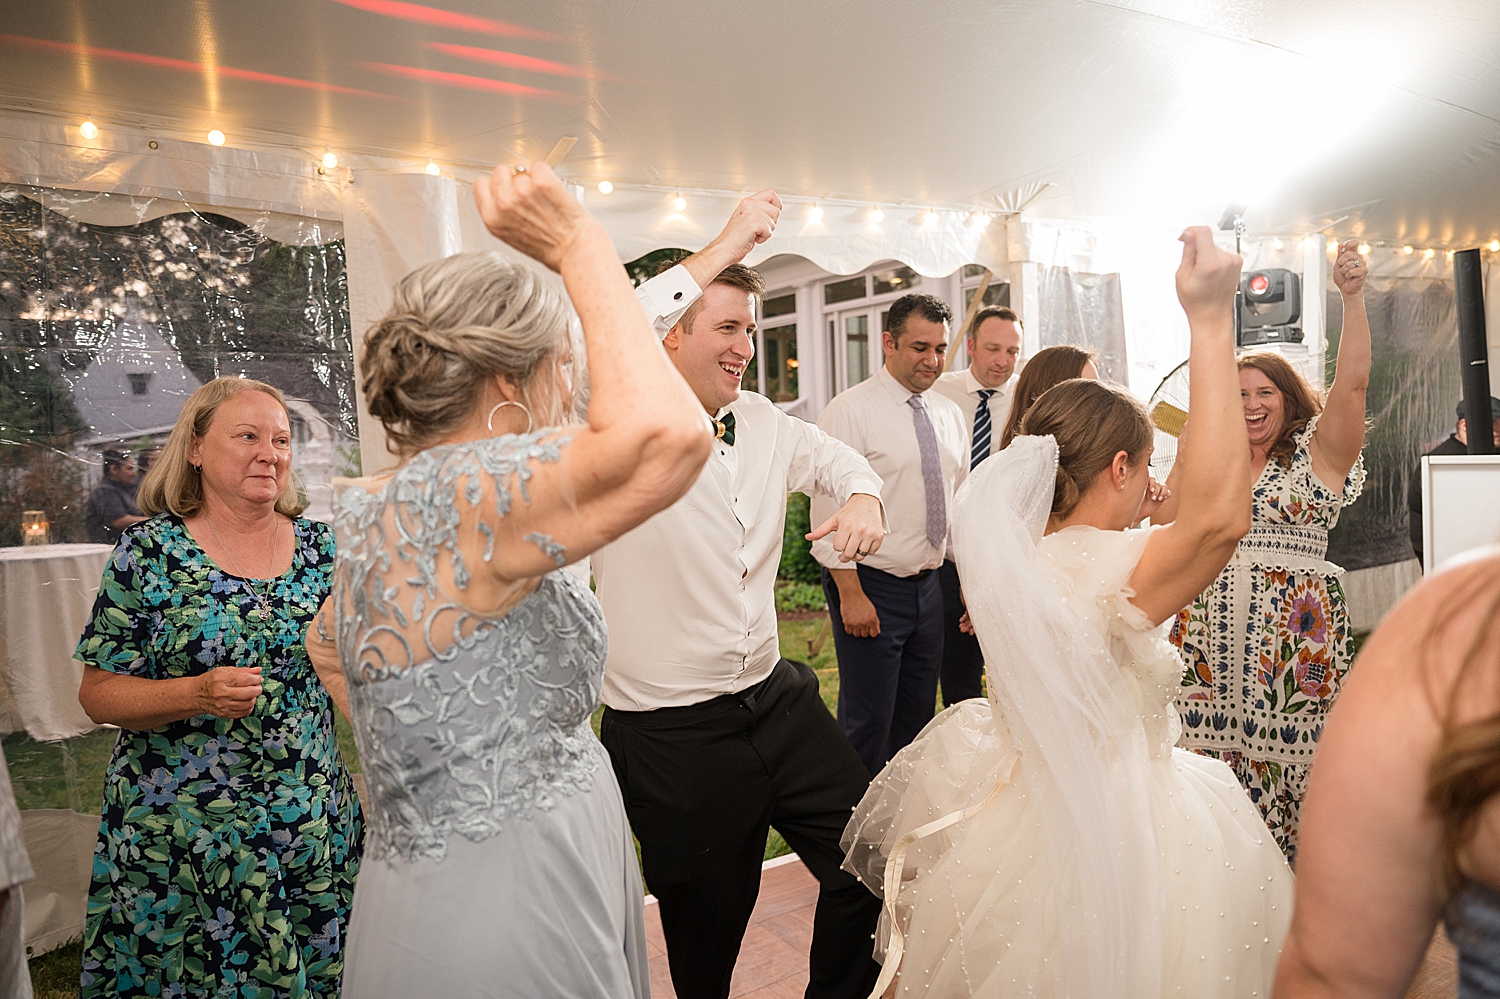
929 219
1364 249
433 169
679 203
215 137
877 216
1428 253
330 160
89 130
815 214
1407 249
1495 246
979 220
1277 243
605 187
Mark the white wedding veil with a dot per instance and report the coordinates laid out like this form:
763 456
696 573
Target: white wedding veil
1060 711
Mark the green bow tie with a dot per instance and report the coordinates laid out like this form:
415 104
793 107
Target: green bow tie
724 429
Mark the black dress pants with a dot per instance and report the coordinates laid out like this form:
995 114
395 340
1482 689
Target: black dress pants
963 662
888 683
702 786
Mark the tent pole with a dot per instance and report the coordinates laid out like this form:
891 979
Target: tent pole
975 304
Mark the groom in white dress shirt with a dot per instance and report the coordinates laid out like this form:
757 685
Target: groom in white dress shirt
714 737
983 390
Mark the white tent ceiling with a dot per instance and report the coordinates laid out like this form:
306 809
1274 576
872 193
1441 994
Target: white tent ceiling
1156 111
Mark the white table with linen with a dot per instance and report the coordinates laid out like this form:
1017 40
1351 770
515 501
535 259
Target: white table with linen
46 595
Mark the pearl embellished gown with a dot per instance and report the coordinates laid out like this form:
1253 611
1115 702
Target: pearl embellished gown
987 905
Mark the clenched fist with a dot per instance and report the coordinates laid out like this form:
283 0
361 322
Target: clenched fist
1207 277
530 209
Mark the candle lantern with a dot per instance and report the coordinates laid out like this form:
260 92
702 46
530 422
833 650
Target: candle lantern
34 528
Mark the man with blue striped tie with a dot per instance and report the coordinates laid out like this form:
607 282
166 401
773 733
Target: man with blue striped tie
983 391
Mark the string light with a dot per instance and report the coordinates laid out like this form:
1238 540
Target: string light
679 203
1407 249
215 137
1495 246
1364 249
432 169
979 220
1428 253
1277 243
330 160
876 215
815 214
89 130
605 187
929 219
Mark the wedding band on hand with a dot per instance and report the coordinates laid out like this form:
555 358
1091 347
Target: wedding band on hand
519 169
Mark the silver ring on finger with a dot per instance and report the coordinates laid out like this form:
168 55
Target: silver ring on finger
520 169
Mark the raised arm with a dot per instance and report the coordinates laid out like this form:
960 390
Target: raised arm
647 437
1341 429
1213 491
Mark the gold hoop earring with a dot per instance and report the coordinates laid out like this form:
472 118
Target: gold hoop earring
499 405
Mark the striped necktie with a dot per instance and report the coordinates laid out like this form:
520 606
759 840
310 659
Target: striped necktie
981 448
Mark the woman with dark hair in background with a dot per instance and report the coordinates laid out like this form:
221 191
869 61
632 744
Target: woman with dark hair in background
1050 366
1267 645
1402 822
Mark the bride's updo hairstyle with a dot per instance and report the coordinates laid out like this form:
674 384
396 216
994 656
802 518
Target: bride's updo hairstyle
1092 422
453 324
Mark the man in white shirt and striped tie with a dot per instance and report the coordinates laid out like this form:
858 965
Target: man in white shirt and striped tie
983 391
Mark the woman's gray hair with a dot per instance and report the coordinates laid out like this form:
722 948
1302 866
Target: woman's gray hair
453 324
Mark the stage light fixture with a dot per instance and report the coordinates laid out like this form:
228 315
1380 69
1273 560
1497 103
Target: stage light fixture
330 160
679 203
605 187
89 130
433 170
215 137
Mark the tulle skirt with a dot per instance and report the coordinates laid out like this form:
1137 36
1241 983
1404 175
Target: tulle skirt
989 911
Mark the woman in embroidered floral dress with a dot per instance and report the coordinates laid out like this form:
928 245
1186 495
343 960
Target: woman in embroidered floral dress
230 837
1268 644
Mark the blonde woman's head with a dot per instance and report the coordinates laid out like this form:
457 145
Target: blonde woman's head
233 437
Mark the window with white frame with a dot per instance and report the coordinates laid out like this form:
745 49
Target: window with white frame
773 372
854 315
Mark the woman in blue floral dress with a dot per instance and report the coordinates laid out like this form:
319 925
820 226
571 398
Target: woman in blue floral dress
230 837
1268 644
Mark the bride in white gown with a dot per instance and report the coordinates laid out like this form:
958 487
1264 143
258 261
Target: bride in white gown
1050 841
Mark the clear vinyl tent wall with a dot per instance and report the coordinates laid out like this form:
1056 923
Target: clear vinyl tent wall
113 310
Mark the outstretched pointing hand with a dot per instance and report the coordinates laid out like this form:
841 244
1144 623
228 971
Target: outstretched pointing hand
1207 277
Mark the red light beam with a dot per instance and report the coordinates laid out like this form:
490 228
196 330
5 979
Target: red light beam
481 83
512 60
184 65
418 14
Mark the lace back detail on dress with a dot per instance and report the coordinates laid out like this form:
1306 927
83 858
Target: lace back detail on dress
463 721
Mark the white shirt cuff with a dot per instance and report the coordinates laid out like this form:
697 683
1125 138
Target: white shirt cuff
666 297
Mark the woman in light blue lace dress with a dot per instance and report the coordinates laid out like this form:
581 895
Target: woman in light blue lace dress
498 859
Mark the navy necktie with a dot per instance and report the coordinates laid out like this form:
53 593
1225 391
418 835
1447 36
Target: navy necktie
981 448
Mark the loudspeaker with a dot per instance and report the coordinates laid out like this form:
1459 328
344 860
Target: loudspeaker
1270 307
